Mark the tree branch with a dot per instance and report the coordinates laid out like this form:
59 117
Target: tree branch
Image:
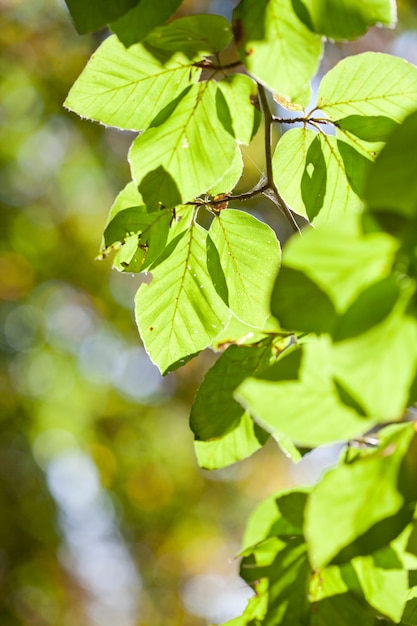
271 190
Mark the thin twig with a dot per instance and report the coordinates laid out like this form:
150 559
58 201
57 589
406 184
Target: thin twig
271 191
208 64
247 195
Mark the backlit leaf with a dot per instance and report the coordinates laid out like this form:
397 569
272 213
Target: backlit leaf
137 23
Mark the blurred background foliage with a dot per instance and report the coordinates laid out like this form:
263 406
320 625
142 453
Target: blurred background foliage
105 518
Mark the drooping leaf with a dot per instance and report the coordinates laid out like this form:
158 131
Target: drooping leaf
276 47
320 176
298 398
344 19
351 499
203 34
186 154
137 23
94 14
369 84
127 87
240 93
179 313
249 256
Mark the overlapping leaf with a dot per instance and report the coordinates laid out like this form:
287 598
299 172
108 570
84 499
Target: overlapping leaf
179 313
277 48
127 87
352 499
187 153
249 256
297 397
319 176
240 93
344 19
136 24
94 14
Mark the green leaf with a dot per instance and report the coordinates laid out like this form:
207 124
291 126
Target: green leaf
231 177
341 260
179 313
392 181
351 499
277 49
126 88
187 153
320 176
196 34
300 400
384 582
241 95
137 23
237 444
215 412
223 431
369 84
249 256
344 19
94 14
383 390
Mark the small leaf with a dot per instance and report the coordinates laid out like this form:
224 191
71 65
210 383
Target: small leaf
277 49
344 19
179 313
186 154
126 88
249 256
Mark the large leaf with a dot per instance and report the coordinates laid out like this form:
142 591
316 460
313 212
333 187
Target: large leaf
353 498
94 14
392 183
187 153
203 34
344 19
377 368
340 260
277 49
240 93
126 88
369 84
179 313
300 400
320 176
137 23
249 256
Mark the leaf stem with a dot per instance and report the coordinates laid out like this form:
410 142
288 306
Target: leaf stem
271 190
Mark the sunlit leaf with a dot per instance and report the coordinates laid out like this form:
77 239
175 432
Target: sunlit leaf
179 313
320 176
249 256
369 84
300 400
352 498
344 19
187 153
127 87
240 93
276 47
